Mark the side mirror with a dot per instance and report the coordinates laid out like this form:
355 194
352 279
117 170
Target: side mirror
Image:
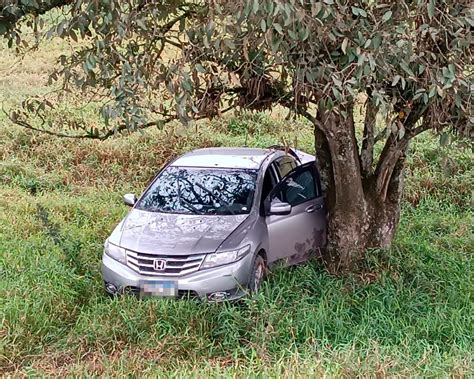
280 209
129 199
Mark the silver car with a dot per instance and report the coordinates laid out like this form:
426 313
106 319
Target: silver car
213 220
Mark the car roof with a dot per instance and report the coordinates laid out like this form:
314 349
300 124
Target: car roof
224 157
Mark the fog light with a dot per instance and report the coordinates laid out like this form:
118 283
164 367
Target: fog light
217 296
110 288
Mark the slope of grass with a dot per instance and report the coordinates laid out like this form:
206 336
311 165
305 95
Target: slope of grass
406 311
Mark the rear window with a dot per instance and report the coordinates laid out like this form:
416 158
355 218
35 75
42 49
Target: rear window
191 190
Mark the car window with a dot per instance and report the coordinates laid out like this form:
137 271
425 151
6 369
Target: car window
297 188
285 165
269 182
190 190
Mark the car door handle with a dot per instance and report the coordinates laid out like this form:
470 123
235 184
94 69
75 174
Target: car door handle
313 208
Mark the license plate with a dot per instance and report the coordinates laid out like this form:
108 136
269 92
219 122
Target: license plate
159 288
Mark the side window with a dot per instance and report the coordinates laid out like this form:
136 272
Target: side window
297 188
285 165
269 181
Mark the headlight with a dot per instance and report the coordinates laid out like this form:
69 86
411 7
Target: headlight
115 252
224 257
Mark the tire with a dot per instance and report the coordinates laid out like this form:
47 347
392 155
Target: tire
258 273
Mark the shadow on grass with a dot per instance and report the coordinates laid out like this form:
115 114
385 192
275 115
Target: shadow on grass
70 248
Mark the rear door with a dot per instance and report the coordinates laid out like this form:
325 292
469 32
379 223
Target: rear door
294 236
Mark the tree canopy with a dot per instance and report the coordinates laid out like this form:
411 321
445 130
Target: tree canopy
198 58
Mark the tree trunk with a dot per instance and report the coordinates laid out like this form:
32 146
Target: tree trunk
360 215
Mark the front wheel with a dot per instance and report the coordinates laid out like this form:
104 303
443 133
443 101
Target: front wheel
258 273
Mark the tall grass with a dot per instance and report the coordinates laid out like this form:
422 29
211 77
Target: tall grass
405 311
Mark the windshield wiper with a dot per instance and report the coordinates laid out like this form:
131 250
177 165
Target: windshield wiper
224 203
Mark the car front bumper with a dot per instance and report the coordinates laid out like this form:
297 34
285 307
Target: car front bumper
231 278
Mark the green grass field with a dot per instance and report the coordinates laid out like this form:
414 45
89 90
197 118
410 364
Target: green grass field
404 312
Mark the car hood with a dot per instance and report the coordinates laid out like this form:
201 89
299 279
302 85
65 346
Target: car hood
163 233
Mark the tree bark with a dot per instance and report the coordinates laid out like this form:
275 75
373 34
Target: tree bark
338 156
368 141
360 214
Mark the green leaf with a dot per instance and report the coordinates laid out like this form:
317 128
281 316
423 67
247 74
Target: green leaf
255 6
316 8
186 85
344 45
457 100
468 19
200 68
377 41
452 70
141 24
401 131
336 81
278 28
407 69
395 80
432 91
431 9
440 91
358 12
387 16
372 62
276 43
418 95
304 34
292 34
263 25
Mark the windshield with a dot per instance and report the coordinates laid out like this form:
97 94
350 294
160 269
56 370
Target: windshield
191 190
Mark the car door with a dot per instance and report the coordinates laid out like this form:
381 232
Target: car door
292 237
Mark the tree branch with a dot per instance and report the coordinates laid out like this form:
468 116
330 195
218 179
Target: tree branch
317 124
395 148
392 151
103 137
109 133
13 11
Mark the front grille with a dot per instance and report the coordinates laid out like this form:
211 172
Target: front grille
176 265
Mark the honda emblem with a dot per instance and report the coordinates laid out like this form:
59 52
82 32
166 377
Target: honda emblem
159 264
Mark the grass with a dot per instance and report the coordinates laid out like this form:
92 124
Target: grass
404 312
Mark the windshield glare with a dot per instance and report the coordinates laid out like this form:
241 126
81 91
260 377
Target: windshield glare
190 190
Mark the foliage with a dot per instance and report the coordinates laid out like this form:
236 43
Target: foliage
145 63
